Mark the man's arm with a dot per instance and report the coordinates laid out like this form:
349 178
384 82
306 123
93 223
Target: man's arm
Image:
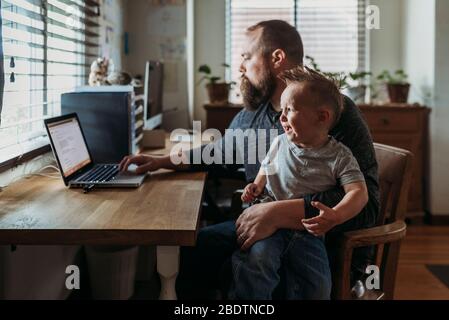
352 203
147 163
287 212
151 163
262 220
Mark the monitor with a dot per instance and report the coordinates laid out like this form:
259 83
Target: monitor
105 117
154 73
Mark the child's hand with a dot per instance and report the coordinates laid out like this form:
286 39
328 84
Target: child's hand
250 192
326 220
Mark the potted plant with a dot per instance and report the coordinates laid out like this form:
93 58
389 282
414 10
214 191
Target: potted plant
357 84
338 77
397 85
352 84
218 91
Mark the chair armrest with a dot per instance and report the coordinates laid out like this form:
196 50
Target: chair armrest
377 235
365 237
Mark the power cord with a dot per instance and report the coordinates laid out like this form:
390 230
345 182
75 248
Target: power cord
37 173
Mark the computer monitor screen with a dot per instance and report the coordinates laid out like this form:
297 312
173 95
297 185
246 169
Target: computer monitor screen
154 73
68 145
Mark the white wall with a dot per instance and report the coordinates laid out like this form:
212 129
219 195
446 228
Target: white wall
440 113
385 43
111 32
156 32
418 49
414 35
209 46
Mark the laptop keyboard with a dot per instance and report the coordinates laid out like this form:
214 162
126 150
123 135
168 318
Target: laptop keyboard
101 173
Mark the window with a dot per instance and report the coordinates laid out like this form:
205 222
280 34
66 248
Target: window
333 32
46 48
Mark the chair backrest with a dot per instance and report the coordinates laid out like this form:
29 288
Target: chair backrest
395 172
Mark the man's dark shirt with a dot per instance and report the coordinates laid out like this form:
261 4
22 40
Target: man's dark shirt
353 132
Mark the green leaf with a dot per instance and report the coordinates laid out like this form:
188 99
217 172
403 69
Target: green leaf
204 69
399 77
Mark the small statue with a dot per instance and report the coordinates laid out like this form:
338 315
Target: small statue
102 74
99 72
119 78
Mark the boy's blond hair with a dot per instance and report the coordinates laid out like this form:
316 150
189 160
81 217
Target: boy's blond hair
325 92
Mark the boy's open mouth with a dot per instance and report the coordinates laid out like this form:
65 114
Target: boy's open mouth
287 128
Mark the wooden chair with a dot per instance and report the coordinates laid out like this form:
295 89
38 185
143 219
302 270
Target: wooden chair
395 173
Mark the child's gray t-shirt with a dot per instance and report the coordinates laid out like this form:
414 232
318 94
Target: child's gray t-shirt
292 171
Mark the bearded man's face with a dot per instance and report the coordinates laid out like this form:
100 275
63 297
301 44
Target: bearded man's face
258 82
254 94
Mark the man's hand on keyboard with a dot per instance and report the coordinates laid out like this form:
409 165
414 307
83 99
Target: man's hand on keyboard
144 163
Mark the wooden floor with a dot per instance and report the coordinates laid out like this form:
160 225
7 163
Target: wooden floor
422 245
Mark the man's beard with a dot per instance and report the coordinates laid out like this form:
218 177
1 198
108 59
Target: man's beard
254 96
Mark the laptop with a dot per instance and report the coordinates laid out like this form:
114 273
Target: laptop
75 162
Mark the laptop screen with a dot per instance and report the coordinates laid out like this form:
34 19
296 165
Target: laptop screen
69 145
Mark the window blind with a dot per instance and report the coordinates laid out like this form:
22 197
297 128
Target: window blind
47 45
333 32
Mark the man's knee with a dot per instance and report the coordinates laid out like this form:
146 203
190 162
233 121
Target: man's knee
219 235
261 256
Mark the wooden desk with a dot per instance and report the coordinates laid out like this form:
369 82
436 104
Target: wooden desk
164 211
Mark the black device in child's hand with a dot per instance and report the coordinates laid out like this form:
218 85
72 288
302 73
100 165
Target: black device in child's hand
262 198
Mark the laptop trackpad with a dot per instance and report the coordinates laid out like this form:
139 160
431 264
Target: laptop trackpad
129 177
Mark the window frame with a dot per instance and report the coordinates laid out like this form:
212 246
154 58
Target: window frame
41 147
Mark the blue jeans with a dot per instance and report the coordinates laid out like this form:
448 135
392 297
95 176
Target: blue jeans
299 256
200 265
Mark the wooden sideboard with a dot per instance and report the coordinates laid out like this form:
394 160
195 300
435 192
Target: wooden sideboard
219 116
405 126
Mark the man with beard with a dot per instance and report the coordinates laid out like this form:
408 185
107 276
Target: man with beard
272 47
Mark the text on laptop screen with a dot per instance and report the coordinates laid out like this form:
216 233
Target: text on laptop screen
69 145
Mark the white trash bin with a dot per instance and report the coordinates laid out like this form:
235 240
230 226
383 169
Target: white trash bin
112 271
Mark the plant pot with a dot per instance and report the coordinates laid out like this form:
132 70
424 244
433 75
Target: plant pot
398 93
357 94
218 92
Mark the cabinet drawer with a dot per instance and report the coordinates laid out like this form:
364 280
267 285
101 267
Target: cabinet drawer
393 122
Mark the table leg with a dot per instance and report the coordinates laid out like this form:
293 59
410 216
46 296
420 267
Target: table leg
167 267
